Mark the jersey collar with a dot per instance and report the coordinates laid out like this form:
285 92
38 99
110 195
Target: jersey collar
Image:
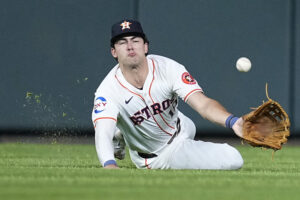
149 79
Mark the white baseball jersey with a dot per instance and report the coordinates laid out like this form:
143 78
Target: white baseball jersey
147 117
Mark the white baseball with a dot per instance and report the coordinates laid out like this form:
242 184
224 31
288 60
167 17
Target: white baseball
243 64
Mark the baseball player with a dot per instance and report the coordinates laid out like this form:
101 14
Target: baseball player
137 102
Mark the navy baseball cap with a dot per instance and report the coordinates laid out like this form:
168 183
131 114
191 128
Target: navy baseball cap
124 28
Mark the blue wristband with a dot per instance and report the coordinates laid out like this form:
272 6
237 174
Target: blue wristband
110 162
230 121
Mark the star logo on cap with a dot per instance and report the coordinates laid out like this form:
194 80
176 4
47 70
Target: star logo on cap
125 25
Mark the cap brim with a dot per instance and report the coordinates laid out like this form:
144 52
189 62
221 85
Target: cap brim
116 38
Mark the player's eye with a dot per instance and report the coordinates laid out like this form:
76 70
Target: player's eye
121 42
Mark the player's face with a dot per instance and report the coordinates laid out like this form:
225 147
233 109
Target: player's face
130 50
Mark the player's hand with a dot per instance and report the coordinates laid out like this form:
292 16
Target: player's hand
111 167
238 127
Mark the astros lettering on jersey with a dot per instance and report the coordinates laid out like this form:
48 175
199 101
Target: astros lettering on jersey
147 117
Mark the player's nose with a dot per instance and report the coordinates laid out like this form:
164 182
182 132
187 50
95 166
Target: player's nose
129 45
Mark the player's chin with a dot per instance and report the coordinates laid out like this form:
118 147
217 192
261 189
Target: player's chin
133 61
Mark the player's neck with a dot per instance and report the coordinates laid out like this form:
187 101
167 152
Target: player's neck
136 75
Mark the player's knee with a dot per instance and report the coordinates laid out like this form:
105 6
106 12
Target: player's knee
237 160
192 127
238 163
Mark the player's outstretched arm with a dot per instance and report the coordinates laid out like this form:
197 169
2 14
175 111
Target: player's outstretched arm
212 110
104 132
208 108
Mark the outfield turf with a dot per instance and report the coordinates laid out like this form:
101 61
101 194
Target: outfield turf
57 171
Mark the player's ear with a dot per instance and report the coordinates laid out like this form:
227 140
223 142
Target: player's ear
146 47
113 52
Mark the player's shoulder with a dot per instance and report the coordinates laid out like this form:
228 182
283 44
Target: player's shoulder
162 59
165 63
108 83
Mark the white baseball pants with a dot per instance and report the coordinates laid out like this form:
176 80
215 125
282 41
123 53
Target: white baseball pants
186 153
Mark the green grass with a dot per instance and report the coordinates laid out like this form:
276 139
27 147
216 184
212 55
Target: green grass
56 171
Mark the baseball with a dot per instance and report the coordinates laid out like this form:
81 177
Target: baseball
243 64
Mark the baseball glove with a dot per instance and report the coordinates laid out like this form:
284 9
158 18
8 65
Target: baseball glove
266 126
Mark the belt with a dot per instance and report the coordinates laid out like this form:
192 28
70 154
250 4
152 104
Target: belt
152 155
147 155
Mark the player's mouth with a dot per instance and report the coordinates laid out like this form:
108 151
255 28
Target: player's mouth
132 54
